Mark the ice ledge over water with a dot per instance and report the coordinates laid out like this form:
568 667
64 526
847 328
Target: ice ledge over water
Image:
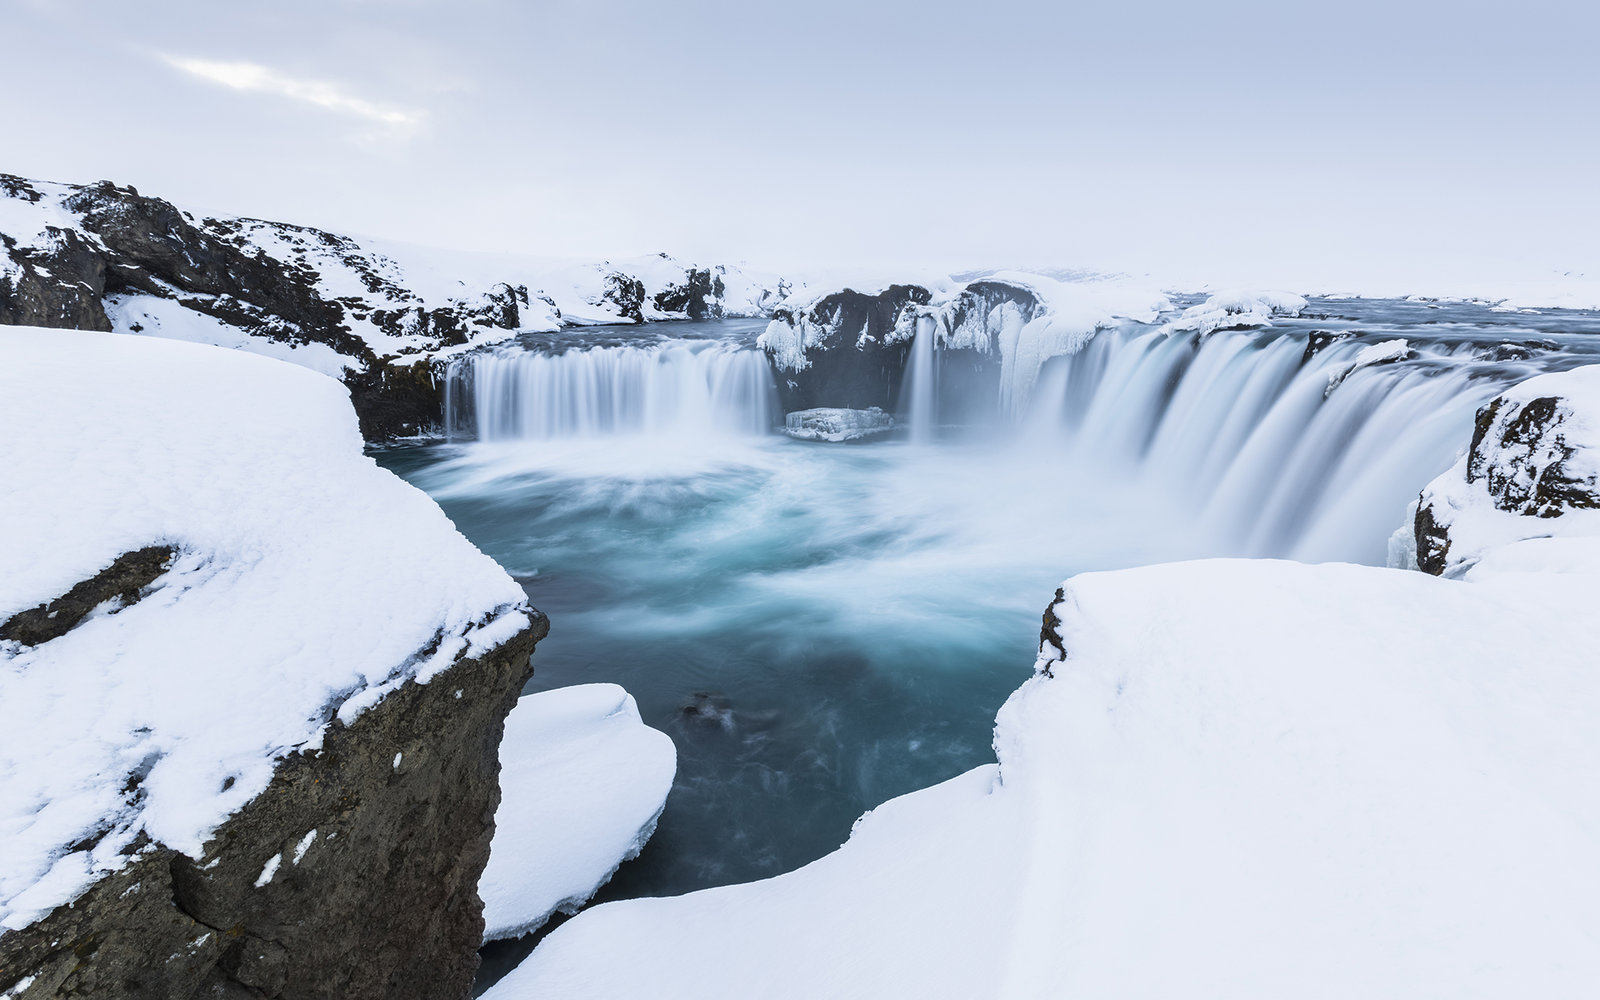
306 585
1227 778
583 781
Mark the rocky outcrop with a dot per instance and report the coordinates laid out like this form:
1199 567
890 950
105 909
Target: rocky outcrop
95 257
851 349
846 350
1534 461
353 875
699 297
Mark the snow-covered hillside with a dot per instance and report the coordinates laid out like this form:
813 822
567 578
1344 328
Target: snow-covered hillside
291 586
100 257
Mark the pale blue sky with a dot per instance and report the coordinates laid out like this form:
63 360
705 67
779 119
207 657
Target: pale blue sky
1138 135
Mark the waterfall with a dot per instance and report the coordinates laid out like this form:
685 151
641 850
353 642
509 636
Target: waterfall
1277 450
696 388
921 383
1246 430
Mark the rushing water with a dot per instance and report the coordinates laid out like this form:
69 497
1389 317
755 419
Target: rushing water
822 627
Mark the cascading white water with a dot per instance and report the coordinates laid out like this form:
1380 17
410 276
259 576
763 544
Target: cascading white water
1242 428
1239 426
921 384
694 388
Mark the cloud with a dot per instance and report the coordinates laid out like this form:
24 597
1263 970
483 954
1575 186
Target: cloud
254 78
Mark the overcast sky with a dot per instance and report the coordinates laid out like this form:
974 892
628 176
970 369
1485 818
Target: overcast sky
1146 135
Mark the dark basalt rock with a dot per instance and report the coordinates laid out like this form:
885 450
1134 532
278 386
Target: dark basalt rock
861 359
124 580
381 903
626 295
1521 455
1321 340
855 365
130 243
699 297
1433 541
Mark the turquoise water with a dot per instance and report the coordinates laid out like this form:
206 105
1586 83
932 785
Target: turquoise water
822 627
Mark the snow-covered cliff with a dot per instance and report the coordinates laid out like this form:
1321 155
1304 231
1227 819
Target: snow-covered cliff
253 686
381 317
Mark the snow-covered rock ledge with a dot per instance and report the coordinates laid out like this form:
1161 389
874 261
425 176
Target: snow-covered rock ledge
849 347
1528 489
253 686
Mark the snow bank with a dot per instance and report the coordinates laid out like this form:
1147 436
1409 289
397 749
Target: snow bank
1236 310
1244 779
305 583
582 781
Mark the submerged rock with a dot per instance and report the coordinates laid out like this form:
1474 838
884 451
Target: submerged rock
837 424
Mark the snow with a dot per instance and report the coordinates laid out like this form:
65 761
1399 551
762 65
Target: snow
1245 779
303 846
836 424
370 275
1373 354
306 581
269 870
583 781
1486 540
152 316
1237 310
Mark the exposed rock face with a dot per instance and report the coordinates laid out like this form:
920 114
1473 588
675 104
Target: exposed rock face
1535 458
353 875
846 350
123 581
699 297
851 349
